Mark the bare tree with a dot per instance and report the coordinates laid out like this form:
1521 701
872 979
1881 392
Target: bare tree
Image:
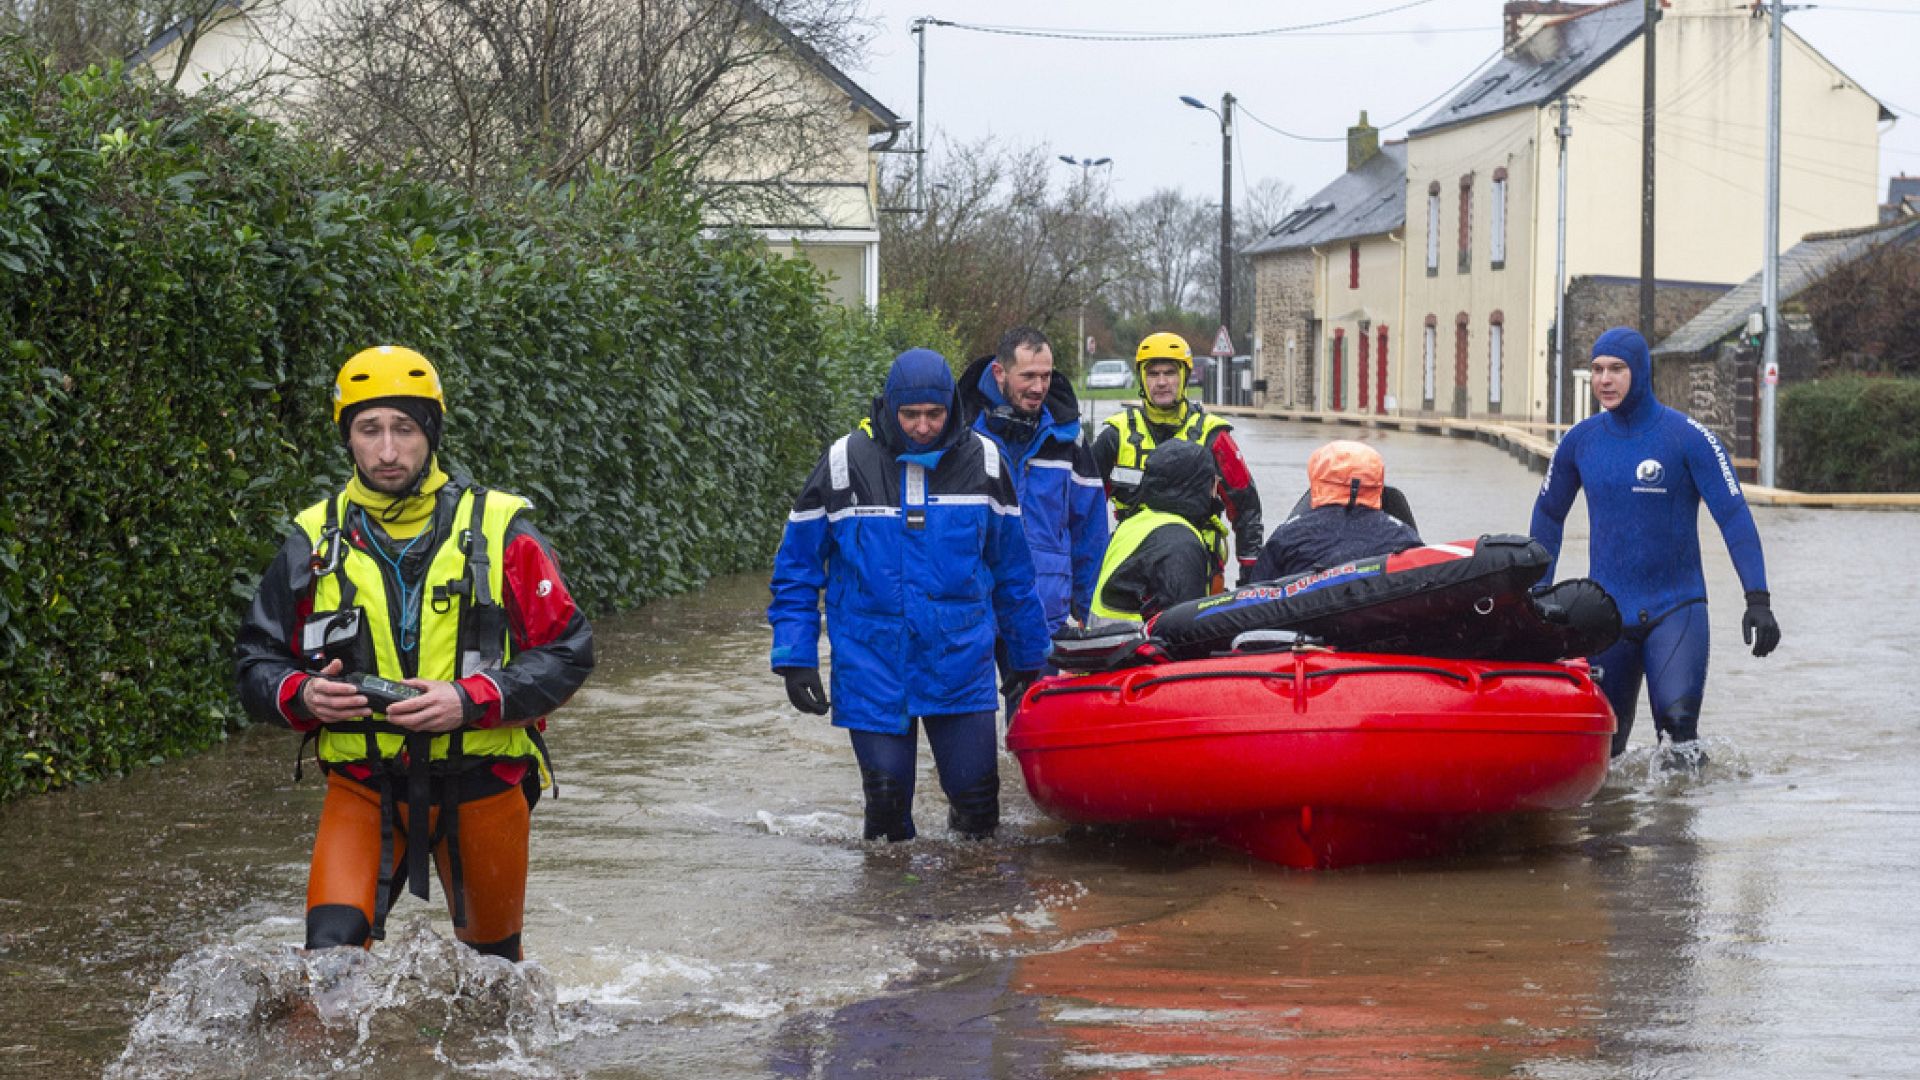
1167 236
75 33
996 245
480 91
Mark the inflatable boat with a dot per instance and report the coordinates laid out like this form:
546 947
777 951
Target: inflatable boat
1270 719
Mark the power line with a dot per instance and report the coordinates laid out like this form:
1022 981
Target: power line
1147 36
1396 122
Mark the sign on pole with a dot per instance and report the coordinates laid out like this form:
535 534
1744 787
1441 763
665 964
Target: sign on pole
1089 345
1222 343
1773 374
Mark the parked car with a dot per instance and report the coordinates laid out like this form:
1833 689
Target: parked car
1109 374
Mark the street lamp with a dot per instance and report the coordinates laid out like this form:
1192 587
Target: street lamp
1225 114
1087 164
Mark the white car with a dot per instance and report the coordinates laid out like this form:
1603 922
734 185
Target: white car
1109 374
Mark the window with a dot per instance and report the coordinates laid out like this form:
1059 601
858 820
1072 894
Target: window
1353 265
1466 223
1497 220
1496 342
1336 373
1433 228
1430 354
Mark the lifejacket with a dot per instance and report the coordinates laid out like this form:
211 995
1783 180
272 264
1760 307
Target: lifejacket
463 626
463 629
1130 464
1126 540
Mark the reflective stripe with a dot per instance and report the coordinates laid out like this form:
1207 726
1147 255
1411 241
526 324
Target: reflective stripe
805 515
1088 481
991 455
960 500
864 511
916 484
1128 476
837 464
1048 463
1453 549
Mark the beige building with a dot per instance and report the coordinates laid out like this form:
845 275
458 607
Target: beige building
825 209
1328 300
1481 178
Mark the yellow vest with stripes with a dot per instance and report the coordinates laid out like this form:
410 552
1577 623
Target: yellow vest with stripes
439 646
1129 465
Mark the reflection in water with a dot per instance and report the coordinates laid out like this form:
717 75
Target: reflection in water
701 904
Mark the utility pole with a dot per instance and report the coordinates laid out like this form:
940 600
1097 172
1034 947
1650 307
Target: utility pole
1226 211
1770 273
1560 275
919 30
1087 165
1650 18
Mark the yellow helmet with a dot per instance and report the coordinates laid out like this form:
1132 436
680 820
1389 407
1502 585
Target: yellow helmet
1162 346
382 372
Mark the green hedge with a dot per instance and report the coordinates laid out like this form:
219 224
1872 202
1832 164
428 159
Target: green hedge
180 283
1851 433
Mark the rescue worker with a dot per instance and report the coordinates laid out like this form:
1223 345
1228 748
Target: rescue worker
446 589
1033 418
1164 363
1160 556
1346 481
911 527
1646 468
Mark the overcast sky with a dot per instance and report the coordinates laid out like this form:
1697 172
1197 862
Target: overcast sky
1121 99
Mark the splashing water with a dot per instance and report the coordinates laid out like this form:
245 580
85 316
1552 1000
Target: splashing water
421 1003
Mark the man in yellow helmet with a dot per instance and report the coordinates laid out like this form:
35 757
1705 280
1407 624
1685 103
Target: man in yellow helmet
417 628
1164 364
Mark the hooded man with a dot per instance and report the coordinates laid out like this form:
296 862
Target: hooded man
1345 484
911 527
1013 398
1160 556
445 593
1646 468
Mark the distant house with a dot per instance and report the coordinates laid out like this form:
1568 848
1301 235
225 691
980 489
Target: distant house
828 211
1478 224
1903 198
1710 366
1327 286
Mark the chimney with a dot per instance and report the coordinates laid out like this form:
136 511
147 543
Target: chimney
1522 17
1363 142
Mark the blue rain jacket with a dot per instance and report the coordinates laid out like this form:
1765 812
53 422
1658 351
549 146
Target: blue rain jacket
923 560
1063 504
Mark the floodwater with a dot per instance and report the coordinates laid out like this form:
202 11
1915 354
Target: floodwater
701 904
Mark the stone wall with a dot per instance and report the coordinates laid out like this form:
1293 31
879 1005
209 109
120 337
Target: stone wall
1596 304
1283 307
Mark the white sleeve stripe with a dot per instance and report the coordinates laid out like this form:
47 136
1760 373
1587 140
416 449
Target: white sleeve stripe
999 507
1452 549
806 515
837 464
1088 481
1048 463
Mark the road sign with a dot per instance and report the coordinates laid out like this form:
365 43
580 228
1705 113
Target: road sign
1089 345
1222 343
1773 374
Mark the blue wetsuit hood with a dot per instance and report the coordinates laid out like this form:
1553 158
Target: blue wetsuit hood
1640 405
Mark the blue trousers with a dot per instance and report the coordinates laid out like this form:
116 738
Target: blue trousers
1671 656
966 754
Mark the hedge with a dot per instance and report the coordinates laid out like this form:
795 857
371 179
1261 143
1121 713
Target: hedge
181 281
1851 433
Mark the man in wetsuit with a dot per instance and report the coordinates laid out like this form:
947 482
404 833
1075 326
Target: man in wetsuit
1646 468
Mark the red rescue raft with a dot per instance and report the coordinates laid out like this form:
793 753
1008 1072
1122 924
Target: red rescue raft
1314 758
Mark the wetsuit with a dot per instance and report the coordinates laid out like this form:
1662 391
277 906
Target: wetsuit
1646 469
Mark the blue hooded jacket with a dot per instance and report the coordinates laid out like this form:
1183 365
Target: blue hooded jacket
1645 469
921 555
1063 504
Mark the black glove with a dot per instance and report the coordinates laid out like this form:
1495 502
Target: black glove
1016 686
1757 627
803 689
1246 573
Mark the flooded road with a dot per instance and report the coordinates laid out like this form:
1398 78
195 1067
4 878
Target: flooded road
701 905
